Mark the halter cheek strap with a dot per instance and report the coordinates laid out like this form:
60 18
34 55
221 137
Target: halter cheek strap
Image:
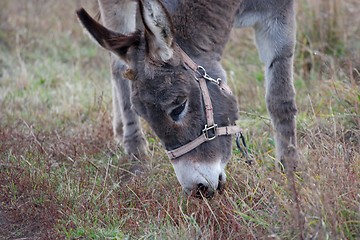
211 129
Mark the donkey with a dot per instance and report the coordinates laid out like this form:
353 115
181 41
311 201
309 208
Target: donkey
165 65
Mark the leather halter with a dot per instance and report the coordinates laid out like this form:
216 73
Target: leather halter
211 129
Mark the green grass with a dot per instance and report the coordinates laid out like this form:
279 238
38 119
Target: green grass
63 176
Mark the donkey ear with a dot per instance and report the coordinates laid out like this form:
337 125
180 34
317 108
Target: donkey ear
159 31
112 41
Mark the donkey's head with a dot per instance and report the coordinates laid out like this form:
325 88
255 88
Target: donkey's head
167 95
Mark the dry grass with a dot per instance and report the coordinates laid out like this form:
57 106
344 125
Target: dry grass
62 176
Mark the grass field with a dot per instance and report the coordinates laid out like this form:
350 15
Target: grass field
63 177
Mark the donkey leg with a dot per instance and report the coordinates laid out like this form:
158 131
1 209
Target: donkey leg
124 117
119 16
117 118
275 38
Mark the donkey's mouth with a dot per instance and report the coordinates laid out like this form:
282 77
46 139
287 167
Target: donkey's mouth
200 179
202 191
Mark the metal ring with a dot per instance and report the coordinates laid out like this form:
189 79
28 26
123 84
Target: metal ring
203 73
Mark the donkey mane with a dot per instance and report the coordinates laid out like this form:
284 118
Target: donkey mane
205 25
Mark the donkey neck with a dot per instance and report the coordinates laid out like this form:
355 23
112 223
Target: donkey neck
203 26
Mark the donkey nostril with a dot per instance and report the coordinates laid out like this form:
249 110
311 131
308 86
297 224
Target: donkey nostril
204 191
201 187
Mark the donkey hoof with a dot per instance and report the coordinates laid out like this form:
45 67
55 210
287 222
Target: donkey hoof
133 171
288 161
138 169
136 148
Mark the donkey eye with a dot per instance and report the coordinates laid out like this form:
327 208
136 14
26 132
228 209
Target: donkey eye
175 114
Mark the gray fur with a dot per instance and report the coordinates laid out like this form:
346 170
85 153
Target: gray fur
120 16
162 82
275 28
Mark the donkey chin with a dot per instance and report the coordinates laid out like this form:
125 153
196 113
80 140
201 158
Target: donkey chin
200 179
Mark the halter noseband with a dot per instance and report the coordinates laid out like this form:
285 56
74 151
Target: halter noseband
211 129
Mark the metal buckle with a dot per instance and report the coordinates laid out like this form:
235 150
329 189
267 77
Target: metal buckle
210 132
202 72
